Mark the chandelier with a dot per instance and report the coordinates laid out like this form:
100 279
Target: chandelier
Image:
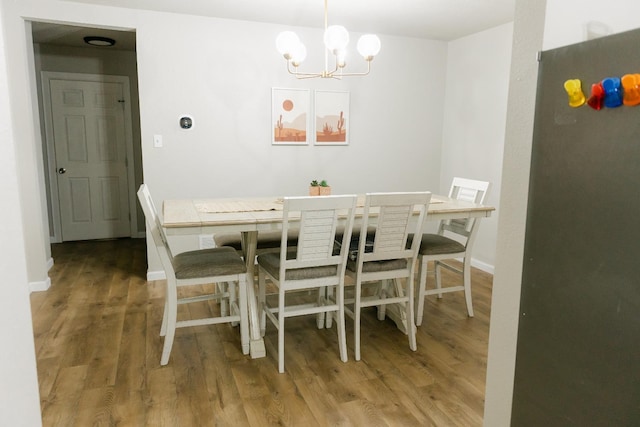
336 38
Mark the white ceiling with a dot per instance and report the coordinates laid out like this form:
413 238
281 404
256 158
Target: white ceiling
430 19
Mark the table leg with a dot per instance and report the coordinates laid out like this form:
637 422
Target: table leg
394 311
256 343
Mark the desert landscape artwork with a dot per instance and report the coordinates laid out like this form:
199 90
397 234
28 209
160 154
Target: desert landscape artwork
331 117
290 116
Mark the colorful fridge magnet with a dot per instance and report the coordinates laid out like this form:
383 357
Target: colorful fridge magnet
612 92
596 100
631 89
574 90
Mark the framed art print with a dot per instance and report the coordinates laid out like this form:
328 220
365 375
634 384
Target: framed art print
331 117
290 116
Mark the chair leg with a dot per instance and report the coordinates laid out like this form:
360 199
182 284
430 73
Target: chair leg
224 303
244 312
171 313
466 273
165 314
281 332
383 286
356 319
342 333
411 325
330 297
322 293
261 301
233 298
422 287
438 271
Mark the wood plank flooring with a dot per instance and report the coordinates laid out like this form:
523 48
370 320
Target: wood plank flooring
98 352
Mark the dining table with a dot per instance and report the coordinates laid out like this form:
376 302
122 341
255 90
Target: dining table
250 216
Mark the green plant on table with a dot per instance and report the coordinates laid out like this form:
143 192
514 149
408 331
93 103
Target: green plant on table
314 183
324 183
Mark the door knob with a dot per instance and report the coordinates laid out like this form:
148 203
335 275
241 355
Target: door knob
61 171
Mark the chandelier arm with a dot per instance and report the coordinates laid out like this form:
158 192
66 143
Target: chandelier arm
364 73
297 73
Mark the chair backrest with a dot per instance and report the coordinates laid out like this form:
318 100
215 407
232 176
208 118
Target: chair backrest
468 190
317 220
155 227
397 218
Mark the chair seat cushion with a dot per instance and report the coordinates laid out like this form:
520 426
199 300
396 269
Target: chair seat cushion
376 266
271 263
266 239
208 262
435 244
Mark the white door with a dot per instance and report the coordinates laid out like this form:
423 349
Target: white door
90 158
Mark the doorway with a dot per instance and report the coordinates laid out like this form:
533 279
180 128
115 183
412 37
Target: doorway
88 102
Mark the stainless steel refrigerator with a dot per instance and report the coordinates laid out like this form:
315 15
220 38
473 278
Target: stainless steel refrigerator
578 354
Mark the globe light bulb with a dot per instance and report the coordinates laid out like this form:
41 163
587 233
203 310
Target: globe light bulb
336 37
286 42
298 54
368 46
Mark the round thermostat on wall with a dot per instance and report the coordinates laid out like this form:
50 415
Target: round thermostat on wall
186 122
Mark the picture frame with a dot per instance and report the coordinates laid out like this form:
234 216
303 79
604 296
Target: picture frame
290 116
331 117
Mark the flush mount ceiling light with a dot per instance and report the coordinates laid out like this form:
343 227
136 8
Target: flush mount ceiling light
99 41
336 38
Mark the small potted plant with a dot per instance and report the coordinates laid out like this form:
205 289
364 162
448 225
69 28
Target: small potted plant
314 188
325 188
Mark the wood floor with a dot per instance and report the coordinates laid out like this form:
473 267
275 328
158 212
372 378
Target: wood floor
98 352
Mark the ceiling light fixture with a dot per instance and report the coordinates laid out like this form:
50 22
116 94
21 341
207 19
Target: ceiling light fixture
336 38
99 41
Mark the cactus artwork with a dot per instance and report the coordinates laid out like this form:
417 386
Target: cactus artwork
329 133
289 116
340 123
279 126
331 111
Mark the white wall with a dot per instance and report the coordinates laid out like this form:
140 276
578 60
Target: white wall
395 128
19 403
566 21
475 114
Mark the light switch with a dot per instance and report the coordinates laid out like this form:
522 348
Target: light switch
157 141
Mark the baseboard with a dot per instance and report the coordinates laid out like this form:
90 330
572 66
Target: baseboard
49 264
155 275
40 286
488 268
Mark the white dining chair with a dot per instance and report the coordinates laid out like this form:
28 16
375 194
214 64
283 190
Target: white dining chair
222 267
453 240
387 252
313 262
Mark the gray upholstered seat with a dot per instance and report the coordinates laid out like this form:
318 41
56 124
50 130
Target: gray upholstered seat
435 244
208 262
271 263
378 266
